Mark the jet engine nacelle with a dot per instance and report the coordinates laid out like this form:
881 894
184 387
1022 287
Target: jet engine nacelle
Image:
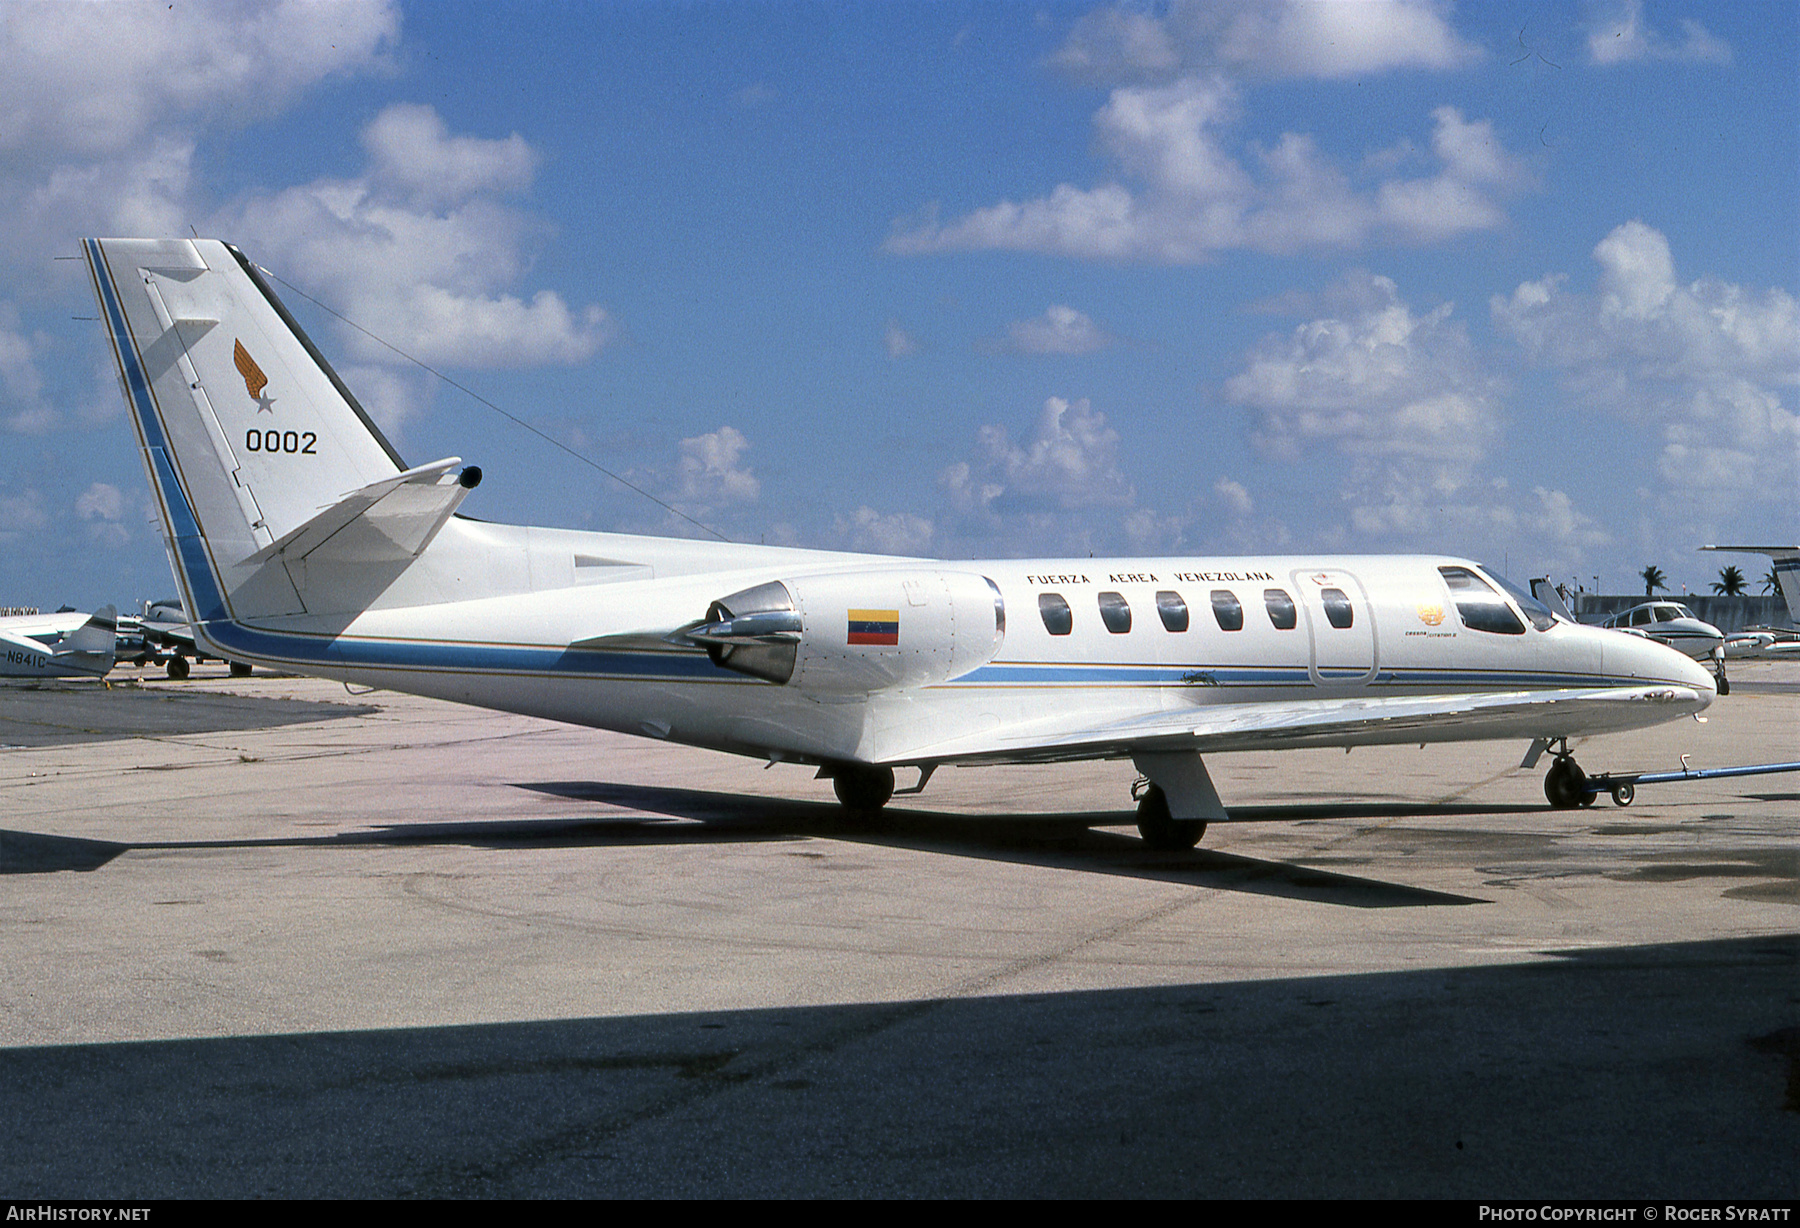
858 632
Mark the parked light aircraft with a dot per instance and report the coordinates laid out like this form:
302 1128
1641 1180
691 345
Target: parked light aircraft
1767 641
162 633
65 645
1674 624
302 541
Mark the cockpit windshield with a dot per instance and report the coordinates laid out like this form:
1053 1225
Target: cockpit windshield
1542 616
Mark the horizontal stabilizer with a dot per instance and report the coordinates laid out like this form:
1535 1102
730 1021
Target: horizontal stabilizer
1786 569
387 521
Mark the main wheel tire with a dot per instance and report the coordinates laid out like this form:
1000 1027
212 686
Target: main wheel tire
1565 785
178 668
1159 830
863 788
1724 684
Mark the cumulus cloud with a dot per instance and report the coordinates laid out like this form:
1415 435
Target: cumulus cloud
1059 490
1183 194
102 507
96 79
25 409
1289 38
1070 461
101 104
1183 189
1621 36
421 251
392 396
1233 496
1707 366
893 533
711 471
411 150
104 107
1060 330
1399 395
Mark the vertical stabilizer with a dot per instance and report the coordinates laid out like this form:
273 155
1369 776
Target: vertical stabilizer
246 432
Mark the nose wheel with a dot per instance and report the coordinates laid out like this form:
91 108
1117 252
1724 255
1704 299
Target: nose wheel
1566 785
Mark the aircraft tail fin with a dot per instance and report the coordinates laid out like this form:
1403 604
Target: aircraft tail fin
1787 571
257 452
95 642
1546 592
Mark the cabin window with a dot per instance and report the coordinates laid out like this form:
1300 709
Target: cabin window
1478 605
1227 609
1058 618
1115 613
1172 610
1338 610
1281 609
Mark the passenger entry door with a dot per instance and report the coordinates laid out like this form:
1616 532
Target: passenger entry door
1341 624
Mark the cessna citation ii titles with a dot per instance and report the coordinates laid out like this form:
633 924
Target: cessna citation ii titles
303 542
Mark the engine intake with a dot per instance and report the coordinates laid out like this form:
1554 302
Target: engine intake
857 632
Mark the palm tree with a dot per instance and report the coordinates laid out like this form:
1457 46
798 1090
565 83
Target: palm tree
1768 581
1731 582
1653 579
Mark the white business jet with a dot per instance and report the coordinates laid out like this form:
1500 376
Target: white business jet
66 645
303 542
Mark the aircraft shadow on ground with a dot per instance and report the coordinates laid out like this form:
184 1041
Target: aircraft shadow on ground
691 816
1064 841
1579 1076
664 815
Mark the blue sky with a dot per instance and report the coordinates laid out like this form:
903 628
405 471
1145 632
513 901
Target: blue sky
1514 281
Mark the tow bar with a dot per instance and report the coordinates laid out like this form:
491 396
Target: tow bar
1623 785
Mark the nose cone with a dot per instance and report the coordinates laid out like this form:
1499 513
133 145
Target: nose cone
1645 660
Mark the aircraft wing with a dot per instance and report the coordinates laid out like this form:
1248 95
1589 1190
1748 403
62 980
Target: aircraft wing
1304 723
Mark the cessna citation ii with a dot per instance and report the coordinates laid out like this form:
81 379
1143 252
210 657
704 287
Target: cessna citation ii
301 541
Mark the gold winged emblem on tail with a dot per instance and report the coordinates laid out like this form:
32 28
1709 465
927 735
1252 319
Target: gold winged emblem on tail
254 379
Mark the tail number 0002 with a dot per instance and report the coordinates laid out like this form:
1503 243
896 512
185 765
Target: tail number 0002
298 442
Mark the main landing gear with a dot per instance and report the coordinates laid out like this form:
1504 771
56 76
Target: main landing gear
861 788
1159 830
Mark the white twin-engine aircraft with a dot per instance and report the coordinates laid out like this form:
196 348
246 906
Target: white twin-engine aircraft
66 645
302 541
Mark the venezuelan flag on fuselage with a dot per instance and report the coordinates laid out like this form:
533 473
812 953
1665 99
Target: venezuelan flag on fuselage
874 626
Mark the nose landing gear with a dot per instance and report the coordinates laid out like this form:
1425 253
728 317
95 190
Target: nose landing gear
1566 785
